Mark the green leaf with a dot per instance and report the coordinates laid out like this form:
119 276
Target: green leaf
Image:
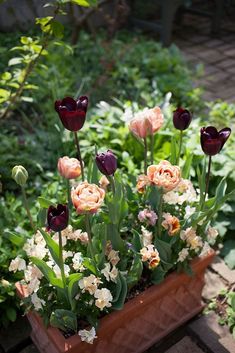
64 319
81 2
4 94
164 250
228 252
52 246
118 305
158 275
16 239
48 273
73 287
187 166
45 203
11 314
15 61
221 189
57 29
113 234
154 196
136 242
89 264
135 272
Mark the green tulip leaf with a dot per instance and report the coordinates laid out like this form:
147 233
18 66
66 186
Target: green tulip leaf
47 272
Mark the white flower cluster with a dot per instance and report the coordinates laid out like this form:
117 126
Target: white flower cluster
150 254
184 192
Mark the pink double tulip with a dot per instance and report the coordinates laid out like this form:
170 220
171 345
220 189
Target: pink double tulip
87 198
147 122
69 168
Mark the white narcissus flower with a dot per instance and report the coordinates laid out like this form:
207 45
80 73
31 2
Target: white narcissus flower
57 270
147 236
113 257
184 192
87 335
110 275
56 238
77 261
189 211
192 239
212 234
205 250
33 285
32 272
17 264
183 254
67 254
103 298
37 250
89 284
37 302
149 253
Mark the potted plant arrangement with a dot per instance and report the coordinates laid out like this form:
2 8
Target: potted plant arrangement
117 266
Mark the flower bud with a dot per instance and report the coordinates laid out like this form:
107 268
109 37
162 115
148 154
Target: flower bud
20 175
58 217
182 119
106 162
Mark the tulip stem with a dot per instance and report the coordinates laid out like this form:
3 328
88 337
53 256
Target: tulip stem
159 222
152 147
208 178
26 206
61 260
90 246
112 183
145 155
79 154
69 195
180 146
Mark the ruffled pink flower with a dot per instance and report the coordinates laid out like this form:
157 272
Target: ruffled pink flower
147 216
164 175
87 198
147 122
69 168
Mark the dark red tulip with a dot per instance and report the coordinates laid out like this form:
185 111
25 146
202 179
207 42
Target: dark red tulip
58 217
72 112
212 140
106 162
182 118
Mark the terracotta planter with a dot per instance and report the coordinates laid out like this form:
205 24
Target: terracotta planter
143 321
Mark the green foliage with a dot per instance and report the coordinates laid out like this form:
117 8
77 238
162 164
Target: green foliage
64 319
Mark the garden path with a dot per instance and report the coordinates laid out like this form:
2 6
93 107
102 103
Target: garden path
217 54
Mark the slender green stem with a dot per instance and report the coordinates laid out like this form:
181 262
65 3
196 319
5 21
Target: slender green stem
180 146
159 221
90 246
79 154
112 183
68 194
26 206
152 147
208 178
145 156
61 261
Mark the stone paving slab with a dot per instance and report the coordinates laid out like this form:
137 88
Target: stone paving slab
213 285
186 345
223 270
214 337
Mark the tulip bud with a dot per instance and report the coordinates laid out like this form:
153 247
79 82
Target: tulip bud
58 217
20 175
72 112
182 119
106 162
212 141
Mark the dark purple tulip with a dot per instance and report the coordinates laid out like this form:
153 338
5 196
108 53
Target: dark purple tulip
182 118
212 140
72 112
106 162
57 217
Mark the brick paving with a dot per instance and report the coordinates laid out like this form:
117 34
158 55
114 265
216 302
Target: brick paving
216 54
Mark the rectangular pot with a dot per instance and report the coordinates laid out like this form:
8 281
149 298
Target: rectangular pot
142 322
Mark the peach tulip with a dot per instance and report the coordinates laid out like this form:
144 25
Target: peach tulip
87 198
69 168
164 175
147 122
